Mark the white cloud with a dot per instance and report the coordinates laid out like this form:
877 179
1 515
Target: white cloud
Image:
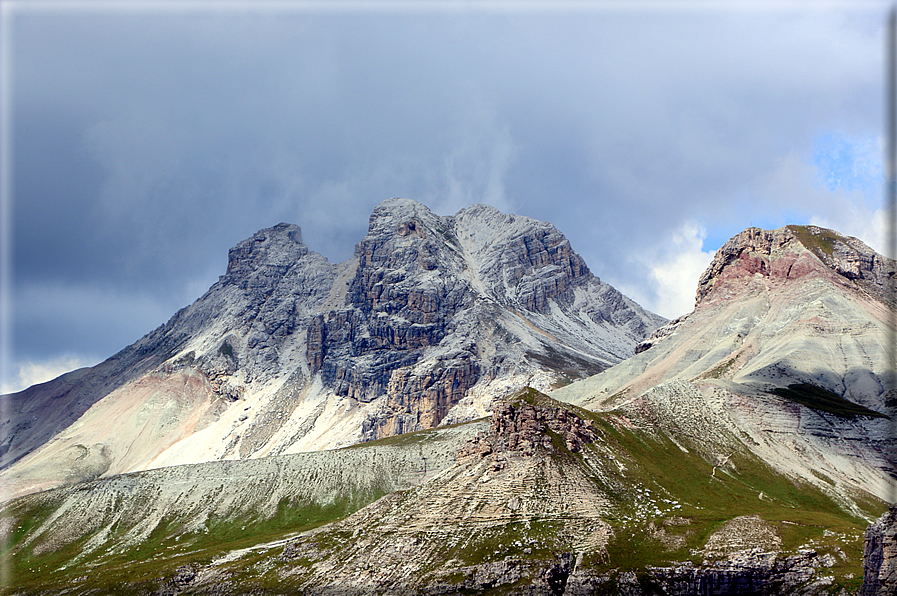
673 272
856 220
30 373
676 278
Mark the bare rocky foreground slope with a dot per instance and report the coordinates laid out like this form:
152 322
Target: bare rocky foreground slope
743 450
430 320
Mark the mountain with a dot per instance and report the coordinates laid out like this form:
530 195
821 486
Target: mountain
788 348
431 319
743 450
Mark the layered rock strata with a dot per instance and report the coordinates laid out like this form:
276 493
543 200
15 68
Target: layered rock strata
520 427
431 318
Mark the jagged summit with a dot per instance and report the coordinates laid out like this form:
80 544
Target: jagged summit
280 245
391 212
510 258
432 318
793 252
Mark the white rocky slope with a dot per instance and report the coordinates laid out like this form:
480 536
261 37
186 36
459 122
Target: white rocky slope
430 320
797 306
134 505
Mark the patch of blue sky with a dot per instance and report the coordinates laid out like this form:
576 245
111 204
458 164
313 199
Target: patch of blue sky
850 163
849 167
752 218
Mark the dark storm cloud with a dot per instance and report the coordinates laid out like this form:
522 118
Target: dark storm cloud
147 143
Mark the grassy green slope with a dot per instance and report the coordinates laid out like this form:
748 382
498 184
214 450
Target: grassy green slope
667 500
686 488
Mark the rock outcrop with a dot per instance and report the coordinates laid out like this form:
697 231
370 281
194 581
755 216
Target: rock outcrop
520 426
794 252
880 556
504 517
431 318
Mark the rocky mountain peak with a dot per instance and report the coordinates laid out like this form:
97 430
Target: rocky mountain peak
278 247
393 215
791 253
428 311
432 318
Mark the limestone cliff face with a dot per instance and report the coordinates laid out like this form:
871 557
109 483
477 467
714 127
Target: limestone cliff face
880 556
431 318
422 322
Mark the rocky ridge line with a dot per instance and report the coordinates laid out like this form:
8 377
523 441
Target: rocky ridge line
796 251
415 292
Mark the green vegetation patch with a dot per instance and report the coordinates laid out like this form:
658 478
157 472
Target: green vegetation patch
695 498
536 398
633 551
718 371
26 520
821 241
168 547
824 400
541 537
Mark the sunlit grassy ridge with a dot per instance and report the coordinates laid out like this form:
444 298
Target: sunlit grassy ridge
821 241
707 498
168 546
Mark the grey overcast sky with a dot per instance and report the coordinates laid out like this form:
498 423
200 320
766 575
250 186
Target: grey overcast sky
145 139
